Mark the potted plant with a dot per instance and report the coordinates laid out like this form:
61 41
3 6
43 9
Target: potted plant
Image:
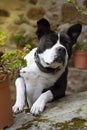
10 62
5 99
80 55
21 40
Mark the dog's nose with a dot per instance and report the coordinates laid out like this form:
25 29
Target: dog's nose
61 50
60 57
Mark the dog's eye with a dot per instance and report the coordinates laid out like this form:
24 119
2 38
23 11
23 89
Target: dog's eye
24 71
65 43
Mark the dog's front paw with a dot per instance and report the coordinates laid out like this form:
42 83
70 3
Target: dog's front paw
37 107
17 108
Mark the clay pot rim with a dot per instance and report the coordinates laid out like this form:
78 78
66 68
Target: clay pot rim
80 52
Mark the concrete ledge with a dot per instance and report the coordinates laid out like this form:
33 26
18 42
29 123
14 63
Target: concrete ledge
68 113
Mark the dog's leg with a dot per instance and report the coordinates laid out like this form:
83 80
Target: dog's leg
40 103
20 95
29 101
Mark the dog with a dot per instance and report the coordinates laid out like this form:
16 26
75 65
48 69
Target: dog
44 79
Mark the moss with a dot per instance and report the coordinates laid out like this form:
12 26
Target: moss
78 122
79 110
75 123
26 126
39 119
31 123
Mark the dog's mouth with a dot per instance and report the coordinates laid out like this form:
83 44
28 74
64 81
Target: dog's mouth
54 64
47 67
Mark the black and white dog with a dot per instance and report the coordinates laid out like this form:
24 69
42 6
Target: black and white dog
45 77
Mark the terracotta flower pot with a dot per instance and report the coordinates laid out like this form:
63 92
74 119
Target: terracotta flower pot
6 117
80 59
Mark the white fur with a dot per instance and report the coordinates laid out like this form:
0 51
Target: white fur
20 95
35 81
39 105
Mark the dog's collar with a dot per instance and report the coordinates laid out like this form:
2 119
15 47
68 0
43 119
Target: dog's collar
42 68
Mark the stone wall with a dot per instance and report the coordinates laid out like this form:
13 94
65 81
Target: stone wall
21 16
77 80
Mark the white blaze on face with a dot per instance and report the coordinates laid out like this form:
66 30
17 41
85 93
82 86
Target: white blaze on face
48 56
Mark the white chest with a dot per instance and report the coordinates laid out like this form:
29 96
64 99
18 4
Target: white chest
35 79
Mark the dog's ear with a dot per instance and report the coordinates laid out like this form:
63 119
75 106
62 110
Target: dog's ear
74 31
43 27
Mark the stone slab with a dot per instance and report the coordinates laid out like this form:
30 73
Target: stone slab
68 113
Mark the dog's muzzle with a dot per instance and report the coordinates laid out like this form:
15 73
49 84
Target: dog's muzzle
42 68
60 55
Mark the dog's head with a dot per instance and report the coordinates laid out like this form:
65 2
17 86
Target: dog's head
54 48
